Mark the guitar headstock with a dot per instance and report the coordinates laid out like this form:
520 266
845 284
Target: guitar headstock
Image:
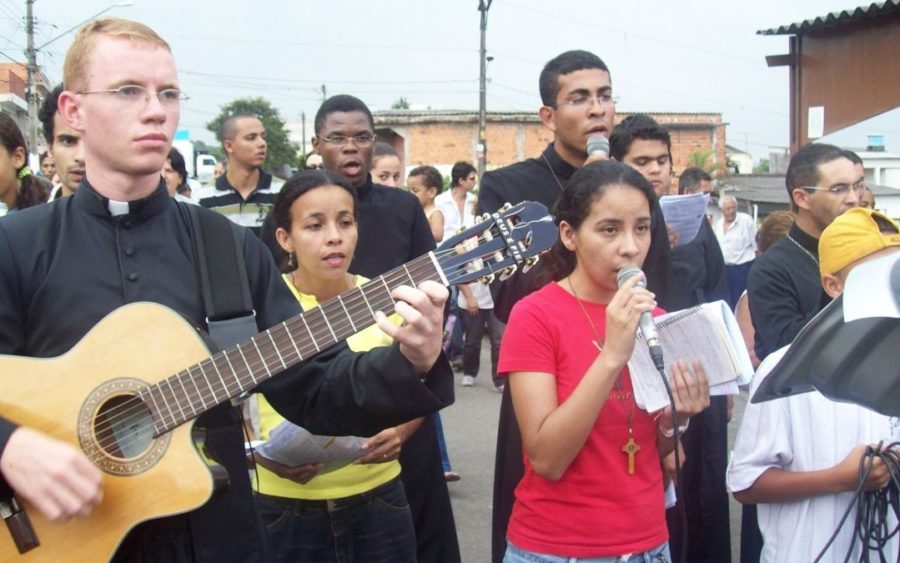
514 235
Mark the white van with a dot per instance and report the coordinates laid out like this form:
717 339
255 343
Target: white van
206 165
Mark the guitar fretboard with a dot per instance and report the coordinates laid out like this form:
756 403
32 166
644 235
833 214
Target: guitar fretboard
200 387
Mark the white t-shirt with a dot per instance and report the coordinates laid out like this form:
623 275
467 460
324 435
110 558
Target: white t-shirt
739 243
452 219
805 432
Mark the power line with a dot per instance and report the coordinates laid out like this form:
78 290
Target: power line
264 79
367 47
626 34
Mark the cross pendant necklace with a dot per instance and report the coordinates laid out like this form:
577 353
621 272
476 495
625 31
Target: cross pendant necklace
631 447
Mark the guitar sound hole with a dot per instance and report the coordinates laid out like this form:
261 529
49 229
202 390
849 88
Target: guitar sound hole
123 427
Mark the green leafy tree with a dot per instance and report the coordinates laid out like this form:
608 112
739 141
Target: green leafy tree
762 167
281 152
702 159
400 103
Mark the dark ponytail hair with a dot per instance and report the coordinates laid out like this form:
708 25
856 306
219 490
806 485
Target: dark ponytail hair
31 191
574 205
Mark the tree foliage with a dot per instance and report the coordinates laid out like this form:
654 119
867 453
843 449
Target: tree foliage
281 152
400 103
702 159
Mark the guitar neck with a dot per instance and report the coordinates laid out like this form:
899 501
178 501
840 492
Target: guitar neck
193 391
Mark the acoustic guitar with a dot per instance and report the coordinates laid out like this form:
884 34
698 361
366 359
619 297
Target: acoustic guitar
127 393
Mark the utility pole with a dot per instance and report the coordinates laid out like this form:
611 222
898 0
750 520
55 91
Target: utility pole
30 69
483 7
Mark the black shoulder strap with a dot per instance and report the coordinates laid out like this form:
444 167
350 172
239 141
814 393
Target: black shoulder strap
223 276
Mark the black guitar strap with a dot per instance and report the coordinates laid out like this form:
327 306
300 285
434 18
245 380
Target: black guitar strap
230 319
230 316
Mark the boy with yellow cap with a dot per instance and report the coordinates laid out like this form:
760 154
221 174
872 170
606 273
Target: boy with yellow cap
798 457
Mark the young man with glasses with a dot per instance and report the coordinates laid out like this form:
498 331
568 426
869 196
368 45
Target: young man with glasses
783 288
121 239
245 193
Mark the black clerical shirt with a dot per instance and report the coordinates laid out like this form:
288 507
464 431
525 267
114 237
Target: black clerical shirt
784 290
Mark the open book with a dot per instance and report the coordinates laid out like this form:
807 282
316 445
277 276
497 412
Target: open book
293 445
708 333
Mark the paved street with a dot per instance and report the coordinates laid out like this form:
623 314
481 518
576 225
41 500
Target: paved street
470 427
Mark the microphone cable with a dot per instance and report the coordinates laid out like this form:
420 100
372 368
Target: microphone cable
872 528
679 501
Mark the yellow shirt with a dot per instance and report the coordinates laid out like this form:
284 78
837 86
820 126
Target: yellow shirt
348 480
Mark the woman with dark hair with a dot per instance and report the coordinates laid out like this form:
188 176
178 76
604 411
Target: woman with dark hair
175 173
358 512
19 188
593 487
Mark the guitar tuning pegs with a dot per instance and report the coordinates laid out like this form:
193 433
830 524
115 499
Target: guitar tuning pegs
487 280
506 206
530 263
508 272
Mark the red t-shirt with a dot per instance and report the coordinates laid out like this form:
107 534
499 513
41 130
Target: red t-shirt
596 509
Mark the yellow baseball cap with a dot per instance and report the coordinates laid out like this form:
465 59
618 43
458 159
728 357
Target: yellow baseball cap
855 234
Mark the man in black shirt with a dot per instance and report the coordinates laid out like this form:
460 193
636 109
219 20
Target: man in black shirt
784 290
245 193
121 239
576 90
697 276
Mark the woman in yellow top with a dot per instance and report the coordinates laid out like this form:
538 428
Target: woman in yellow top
358 512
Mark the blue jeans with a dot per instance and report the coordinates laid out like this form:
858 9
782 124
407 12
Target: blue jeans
659 554
442 443
372 526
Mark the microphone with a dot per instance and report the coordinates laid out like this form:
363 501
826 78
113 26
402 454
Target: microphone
646 325
598 145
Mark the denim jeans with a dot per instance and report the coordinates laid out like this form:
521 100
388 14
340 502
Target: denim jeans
659 554
474 334
373 526
442 443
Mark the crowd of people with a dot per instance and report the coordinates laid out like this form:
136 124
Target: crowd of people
582 473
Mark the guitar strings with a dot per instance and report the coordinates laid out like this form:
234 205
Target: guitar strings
348 304
135 403
134 406
132 409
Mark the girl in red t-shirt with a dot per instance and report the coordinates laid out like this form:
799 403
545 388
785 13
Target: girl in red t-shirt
592 486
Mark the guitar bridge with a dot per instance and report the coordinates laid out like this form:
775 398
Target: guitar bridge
19 525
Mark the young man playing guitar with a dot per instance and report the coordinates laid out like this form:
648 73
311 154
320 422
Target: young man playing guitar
120 239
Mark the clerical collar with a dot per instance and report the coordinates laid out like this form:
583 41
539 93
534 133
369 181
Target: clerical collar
117 208
88 199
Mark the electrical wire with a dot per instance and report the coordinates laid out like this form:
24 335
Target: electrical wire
872 527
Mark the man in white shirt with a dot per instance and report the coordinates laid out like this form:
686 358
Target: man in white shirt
737 237
798 457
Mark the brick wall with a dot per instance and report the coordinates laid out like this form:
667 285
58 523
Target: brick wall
440 139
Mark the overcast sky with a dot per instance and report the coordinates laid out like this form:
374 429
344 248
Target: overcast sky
677 56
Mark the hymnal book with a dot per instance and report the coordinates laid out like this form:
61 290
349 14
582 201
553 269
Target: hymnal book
708 333
293 445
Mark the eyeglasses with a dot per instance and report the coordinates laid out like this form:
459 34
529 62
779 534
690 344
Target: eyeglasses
606 99
840 189
133 94
362 140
